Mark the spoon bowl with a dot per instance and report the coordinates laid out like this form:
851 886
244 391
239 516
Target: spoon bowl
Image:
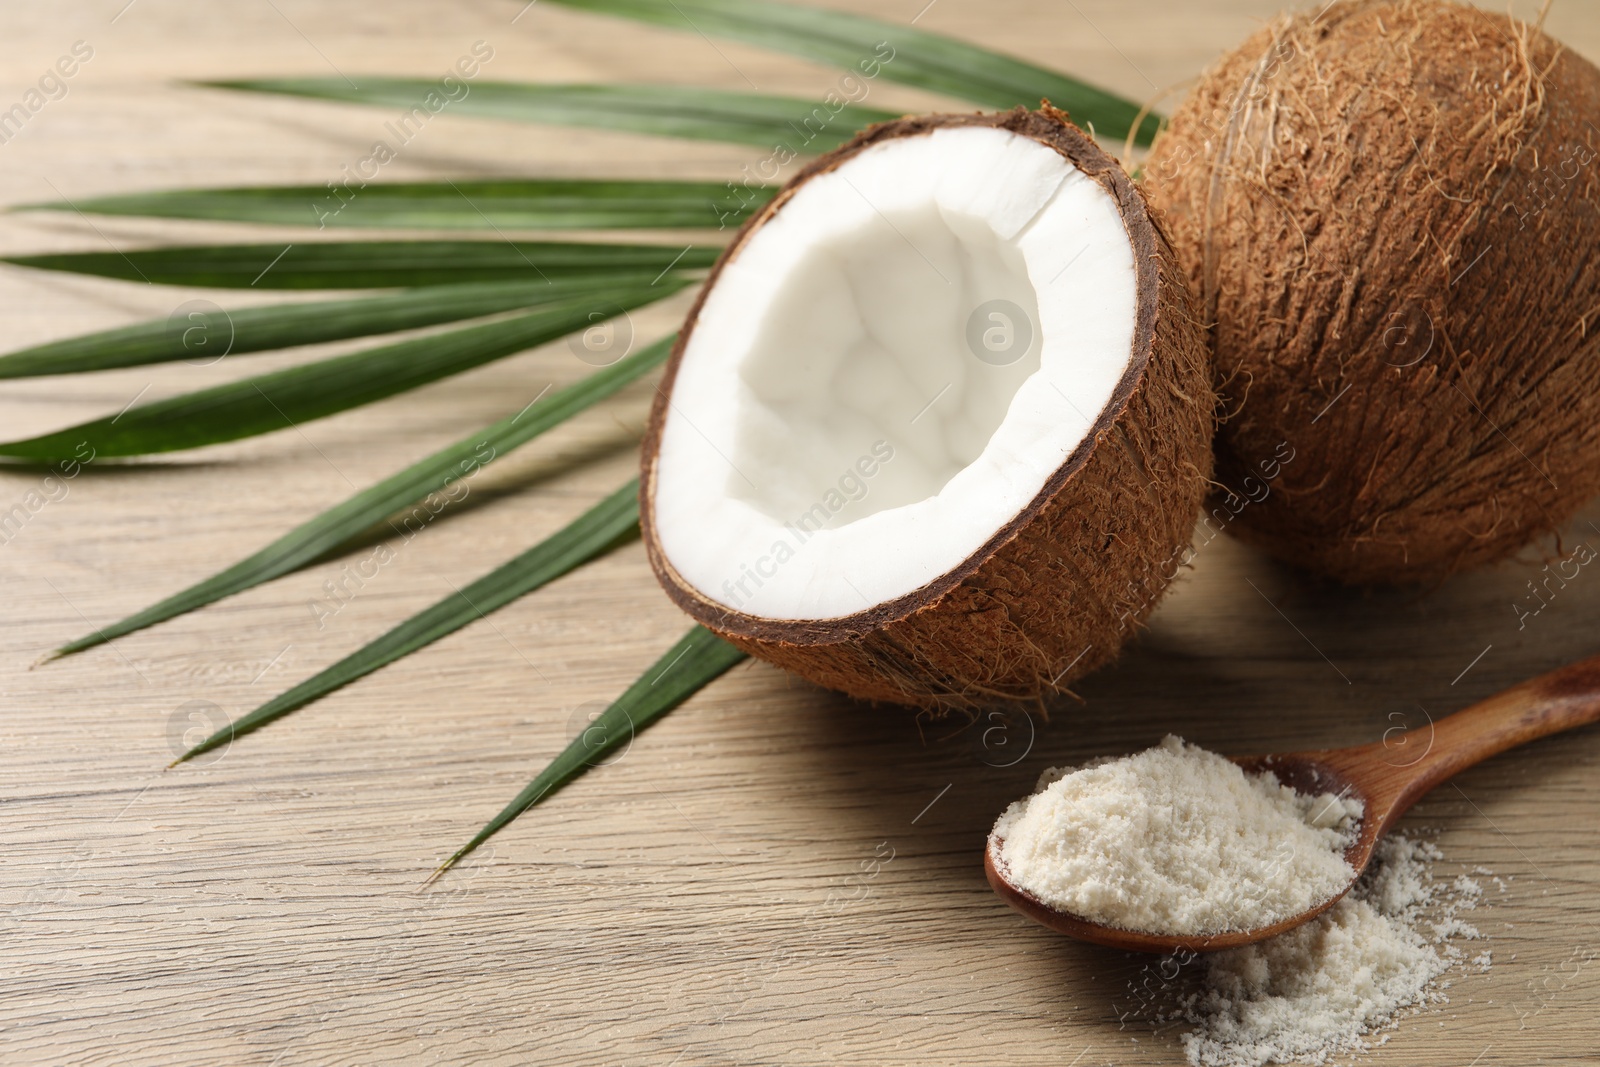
1388 776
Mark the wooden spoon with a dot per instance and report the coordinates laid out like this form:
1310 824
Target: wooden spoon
1388 775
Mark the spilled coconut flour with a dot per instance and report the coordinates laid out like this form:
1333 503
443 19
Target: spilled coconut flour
1323 989
1176 840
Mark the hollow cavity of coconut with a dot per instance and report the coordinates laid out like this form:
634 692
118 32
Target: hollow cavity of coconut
1391 215
937 431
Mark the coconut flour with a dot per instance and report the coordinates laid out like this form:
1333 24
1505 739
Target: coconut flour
1176 840
1323 989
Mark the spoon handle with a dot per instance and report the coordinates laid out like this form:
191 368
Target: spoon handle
1560 700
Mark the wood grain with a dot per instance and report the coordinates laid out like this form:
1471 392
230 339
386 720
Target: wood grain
771 875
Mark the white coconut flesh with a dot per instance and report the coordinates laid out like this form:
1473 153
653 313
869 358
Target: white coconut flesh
889 371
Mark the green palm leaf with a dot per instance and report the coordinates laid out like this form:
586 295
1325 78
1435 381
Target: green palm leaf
665 110
371 264
322 535
912 56
687 667
590 535
288 398
464 279
204 332
511 204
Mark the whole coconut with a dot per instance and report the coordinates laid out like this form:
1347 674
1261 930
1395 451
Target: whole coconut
1391 214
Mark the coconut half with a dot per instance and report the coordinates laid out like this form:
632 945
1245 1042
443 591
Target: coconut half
937 430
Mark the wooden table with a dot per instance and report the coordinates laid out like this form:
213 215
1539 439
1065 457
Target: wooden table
712 897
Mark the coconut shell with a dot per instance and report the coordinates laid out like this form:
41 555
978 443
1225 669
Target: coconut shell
1391 214
1058 590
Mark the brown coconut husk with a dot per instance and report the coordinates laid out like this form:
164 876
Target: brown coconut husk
1391 213
1058 590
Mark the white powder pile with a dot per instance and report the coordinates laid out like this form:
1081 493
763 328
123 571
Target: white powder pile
1176 840
1321 989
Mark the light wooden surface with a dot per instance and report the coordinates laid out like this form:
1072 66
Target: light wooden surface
711 897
